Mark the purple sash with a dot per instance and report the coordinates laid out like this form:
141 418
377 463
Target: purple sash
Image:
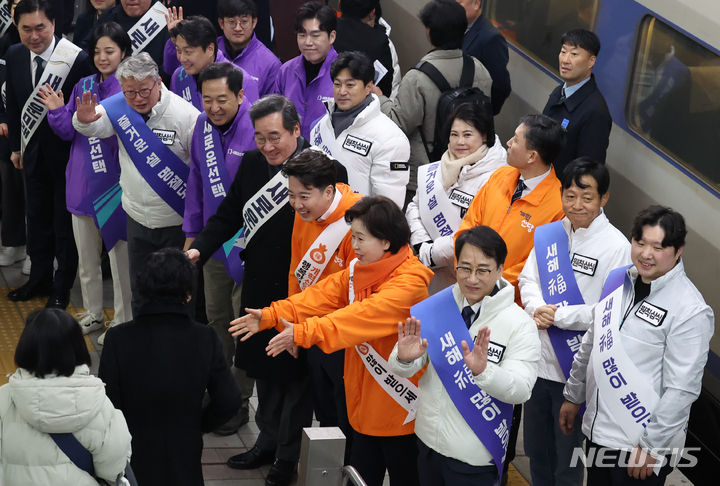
159 166
216 182
184 85
444 329
559 287
103 199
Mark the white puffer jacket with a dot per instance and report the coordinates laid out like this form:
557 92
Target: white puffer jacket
31 408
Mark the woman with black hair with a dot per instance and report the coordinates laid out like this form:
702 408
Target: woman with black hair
53 392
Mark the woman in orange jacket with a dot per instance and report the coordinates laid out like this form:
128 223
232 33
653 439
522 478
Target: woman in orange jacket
359 308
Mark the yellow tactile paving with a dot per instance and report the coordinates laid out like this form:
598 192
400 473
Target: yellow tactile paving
12 320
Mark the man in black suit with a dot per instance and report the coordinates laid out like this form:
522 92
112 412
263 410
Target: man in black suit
483 41
577 104
44 157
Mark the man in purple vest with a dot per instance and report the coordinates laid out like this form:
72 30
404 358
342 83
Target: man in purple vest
237 19
305 79
197 49
223 133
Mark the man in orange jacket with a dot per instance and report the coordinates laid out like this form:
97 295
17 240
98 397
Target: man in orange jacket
321 245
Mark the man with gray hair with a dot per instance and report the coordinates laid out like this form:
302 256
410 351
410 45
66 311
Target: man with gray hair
154 127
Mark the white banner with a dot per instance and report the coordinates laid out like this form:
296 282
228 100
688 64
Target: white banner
436 210
263 205
148 27
5 18
317 257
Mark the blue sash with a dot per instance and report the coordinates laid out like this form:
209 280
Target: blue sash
163 170
615 279
444 329
103 199
216 182
559 287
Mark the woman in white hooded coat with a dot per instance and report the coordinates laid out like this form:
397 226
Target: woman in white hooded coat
446 188
53 392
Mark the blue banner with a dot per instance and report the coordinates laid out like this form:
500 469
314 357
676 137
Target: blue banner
559 287
163 170
444 329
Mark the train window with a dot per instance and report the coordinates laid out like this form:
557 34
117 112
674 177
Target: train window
537 25
674 99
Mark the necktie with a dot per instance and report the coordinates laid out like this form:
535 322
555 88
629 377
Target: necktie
468 315
39 69
518 191
562 96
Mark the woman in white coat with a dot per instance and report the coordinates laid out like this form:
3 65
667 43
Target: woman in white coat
446 188
53 392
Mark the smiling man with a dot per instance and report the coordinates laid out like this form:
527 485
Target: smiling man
580 251
577 104
355 132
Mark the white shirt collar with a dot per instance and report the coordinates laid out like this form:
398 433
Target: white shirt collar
46 54
333 205
533 182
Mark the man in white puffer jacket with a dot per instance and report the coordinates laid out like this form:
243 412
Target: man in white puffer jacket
503 365
357 134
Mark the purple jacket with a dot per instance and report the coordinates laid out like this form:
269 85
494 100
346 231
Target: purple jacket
76 172
170 60
237 140
250 86
258 61
308 99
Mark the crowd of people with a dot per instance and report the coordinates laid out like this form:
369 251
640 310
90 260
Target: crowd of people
411 280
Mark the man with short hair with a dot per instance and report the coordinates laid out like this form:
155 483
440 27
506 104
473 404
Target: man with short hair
484 42
640 366
305 79
577 104
223 134
154 127
415 107
42 58
355 132
559 286
256 200
197 49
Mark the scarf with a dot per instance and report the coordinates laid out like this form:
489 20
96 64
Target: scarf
450 167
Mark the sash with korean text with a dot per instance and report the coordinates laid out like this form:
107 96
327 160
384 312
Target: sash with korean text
399 388
102 170
5 18
263 205
186 87
164 171
216 182
559 287
318 256
623 388
55 73
444 329
436 210
148 27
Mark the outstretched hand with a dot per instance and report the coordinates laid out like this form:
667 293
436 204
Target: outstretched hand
476 360
285 341
173 17
246 325
50 98
410 345
86 108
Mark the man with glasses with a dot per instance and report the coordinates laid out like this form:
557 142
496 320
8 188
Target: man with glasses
257 203
154 127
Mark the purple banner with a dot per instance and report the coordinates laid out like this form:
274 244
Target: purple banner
559 287
444 329
163 170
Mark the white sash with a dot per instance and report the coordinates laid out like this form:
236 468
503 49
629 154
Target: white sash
436 210
318 256
148 27
55 72
5 18
625 390
263 205
400 389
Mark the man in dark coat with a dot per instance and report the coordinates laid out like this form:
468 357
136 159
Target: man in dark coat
483 41
284 396
44 157
577 104
157 368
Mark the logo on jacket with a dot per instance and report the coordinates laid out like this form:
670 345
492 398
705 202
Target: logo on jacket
363 348
399 166
318 254
651 314
357 145
495 352
525 223
167 137
583 264
460 198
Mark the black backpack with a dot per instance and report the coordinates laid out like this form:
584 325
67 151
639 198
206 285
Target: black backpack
450 98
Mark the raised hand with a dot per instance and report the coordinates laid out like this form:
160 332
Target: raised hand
476 360
86 108
50 98
246 325
410 345
285 341
173 17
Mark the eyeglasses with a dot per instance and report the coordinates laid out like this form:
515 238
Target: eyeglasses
143 93
467 272
273 139
242 23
